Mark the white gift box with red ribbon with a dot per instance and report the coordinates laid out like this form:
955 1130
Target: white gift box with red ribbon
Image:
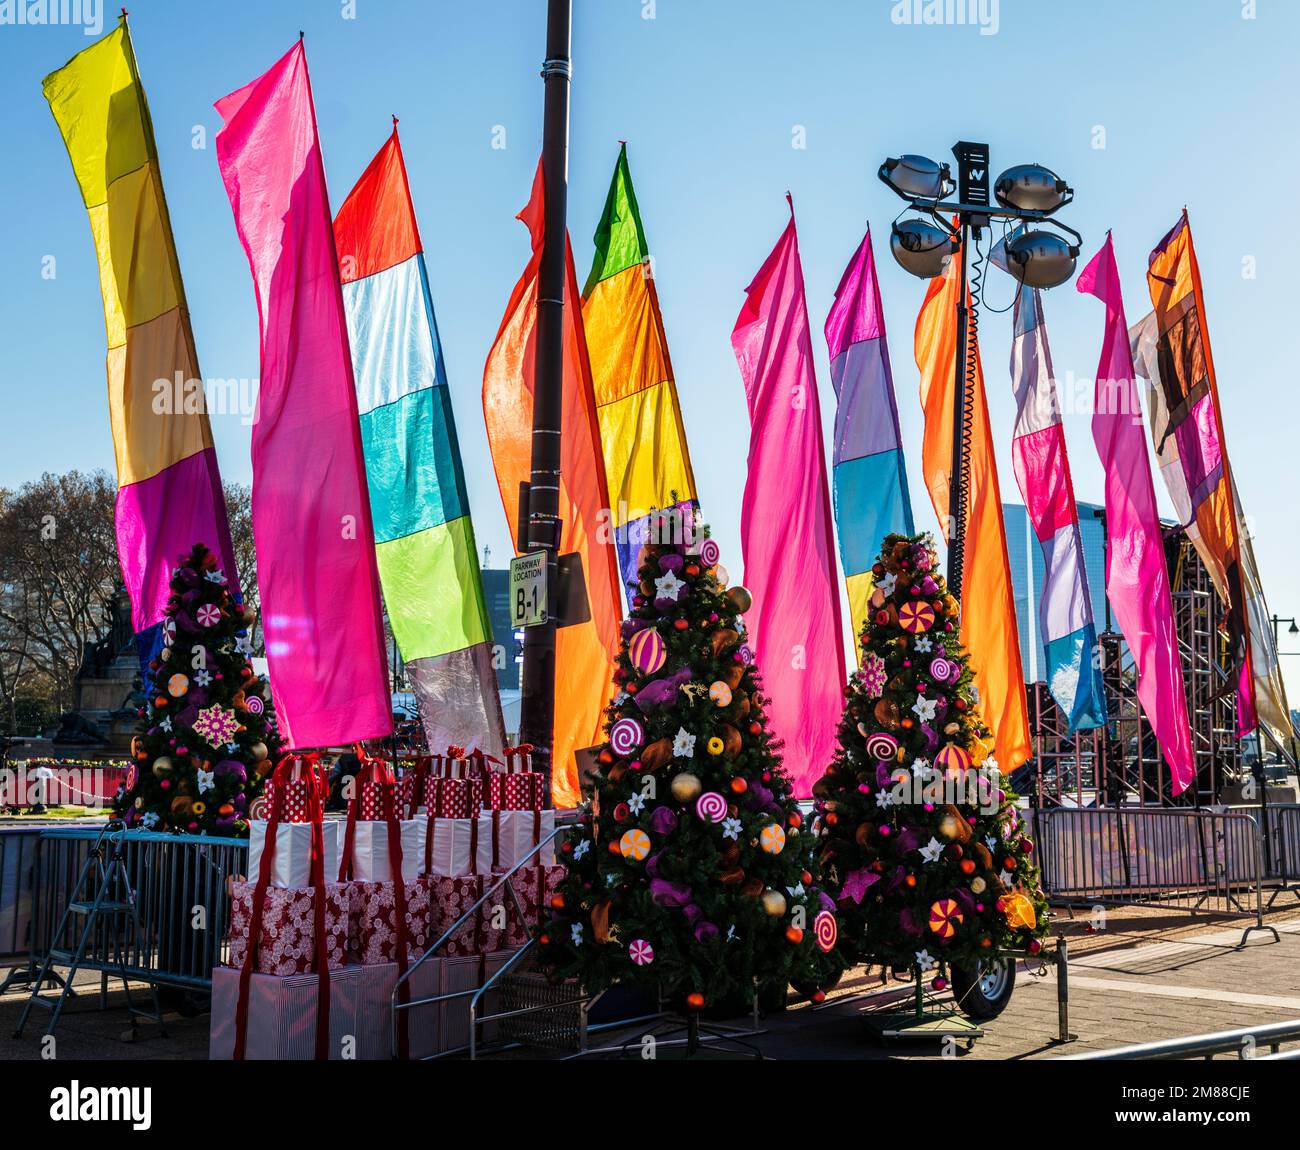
516 834
370 855
455 847
291 861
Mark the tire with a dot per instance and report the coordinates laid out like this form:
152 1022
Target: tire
983 991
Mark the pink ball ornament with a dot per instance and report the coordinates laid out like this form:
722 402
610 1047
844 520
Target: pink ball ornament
166 784
940 984
885 831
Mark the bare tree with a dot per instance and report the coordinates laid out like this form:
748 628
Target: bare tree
240 513
58 574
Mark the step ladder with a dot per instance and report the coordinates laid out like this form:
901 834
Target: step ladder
104 903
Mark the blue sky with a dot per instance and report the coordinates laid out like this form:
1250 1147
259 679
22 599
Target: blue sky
1197 106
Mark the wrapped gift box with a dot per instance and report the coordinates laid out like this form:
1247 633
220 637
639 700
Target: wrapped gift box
459 798
370 861
520 791
534 886
372 937
515 834
449 898
427 799
291 864
296 791
282 1014
455 847
288 935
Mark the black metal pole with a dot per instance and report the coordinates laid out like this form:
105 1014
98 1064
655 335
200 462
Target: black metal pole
537 683
957 484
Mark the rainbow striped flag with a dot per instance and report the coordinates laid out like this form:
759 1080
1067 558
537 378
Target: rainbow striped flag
424 540
647 464
169 489
871 498
1042 467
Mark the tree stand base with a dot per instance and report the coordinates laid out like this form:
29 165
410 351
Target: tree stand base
920 1023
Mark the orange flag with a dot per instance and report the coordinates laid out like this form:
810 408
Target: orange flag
585 652
988 617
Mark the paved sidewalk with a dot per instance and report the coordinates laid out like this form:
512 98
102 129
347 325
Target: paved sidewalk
1150 975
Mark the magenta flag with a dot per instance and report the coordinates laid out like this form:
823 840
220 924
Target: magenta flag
1137 580
311 512
786 536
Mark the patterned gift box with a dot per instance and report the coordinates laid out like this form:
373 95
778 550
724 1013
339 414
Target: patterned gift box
295 799
288 936
533 886
370 801
459 798
521 791
449 898
427 800
372 937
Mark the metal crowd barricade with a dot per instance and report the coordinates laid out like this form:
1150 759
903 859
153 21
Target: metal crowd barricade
181 887
1199 860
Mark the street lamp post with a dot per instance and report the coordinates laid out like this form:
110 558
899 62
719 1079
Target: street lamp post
923 244
1292 629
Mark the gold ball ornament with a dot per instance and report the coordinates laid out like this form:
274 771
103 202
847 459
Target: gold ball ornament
774 903
257 751
739 600
686 787
162 765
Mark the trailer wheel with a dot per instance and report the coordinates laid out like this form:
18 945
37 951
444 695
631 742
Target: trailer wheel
983 990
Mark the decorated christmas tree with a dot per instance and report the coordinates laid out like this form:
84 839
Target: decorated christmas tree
692 871
920 839
206 736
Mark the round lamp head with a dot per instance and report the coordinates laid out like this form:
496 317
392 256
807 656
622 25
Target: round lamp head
916 177
1041 259
921 248
1031 188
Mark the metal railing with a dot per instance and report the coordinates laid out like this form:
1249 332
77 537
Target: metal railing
181 888
491 896
1243 1043
1202 861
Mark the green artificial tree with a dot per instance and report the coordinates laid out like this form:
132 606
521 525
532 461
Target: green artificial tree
206 738
919 839
691 873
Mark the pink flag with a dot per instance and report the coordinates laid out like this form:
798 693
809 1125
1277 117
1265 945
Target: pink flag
311 512
1137 581
785 531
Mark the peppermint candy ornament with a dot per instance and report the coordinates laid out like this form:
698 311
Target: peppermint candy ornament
641 952
771 839
177 685
634 845
255 705
709 553
944 670
711 807
882 746
720 693
945 917
209 615
826 931
626 737
916 617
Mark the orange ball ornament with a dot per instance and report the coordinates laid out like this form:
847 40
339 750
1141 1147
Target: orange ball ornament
695 1000
793 935
739 785
557 902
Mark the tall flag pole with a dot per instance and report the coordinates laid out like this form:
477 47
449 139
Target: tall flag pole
785 531
169 489
587 637
1137 578
311 512
870 479
424 540
988 617
1042 467
647 464
1271 708
1195 422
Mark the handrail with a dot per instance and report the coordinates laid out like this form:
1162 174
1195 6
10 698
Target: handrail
504 880
1271 1034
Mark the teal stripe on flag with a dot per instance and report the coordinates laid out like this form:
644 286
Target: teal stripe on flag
413 464
870 502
